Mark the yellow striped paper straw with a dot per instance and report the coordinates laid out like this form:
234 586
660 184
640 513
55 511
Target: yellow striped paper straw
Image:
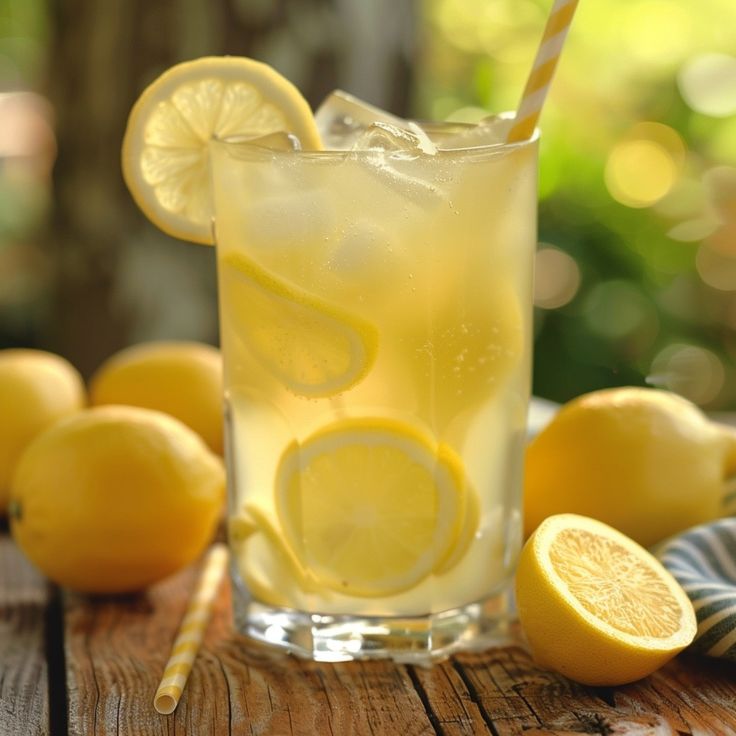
191 631
543 69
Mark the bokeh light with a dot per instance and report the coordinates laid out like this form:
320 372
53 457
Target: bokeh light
614 309
643 167
686 200
708 84
689 370
557 278
717 269
693 230
720 184
655 33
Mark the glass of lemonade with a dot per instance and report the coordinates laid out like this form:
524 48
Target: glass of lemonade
376 325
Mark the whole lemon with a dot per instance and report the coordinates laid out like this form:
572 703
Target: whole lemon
115 498
36 389
645 461
183 379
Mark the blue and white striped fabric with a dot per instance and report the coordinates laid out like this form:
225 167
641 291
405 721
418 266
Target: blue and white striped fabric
703 560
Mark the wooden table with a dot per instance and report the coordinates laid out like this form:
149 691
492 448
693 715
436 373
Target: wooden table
73 665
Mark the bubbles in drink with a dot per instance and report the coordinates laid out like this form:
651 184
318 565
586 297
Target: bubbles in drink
284 221
365 250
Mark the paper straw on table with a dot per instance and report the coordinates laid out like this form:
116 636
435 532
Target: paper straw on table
191 631
543 69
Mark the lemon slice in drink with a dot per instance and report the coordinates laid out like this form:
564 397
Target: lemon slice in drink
596 606
313 347
164 156
466 350
468 529
267 564
370 506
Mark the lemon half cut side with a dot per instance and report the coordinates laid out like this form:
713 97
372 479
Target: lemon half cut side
372 506
596 606
165 148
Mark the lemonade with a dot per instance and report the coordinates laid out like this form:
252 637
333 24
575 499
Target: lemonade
375 308
375 316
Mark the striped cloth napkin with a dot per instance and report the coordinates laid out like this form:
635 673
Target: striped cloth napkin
703 560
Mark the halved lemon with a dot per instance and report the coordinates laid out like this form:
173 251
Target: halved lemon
370 506
164 156
596 606
313 347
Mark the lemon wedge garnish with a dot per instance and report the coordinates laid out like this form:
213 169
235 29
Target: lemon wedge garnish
165 148
596 606
314 348
370 506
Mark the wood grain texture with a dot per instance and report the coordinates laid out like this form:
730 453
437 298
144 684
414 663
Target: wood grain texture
24 698
690 695
116 650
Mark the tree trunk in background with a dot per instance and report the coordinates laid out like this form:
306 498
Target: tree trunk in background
118 279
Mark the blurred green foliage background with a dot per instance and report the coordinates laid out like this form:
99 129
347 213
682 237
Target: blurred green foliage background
636 270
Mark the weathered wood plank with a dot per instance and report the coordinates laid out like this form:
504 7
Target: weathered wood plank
696 695
24 595
688 696
451 705
116 650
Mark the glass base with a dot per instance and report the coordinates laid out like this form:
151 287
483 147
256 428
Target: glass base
419 640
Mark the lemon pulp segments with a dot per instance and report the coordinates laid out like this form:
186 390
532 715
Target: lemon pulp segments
611 583
165 148
314 348
370 505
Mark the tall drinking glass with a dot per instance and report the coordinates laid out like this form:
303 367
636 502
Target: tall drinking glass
376 322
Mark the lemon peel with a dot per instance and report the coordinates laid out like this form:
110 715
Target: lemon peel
114 498
165 157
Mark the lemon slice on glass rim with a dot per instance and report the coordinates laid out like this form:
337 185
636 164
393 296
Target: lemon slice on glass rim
371 506
165 147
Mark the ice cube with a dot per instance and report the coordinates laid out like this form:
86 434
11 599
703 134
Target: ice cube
388 152
381 136
491 131
342 117
278 141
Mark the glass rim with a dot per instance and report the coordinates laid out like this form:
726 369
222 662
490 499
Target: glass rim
239 144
